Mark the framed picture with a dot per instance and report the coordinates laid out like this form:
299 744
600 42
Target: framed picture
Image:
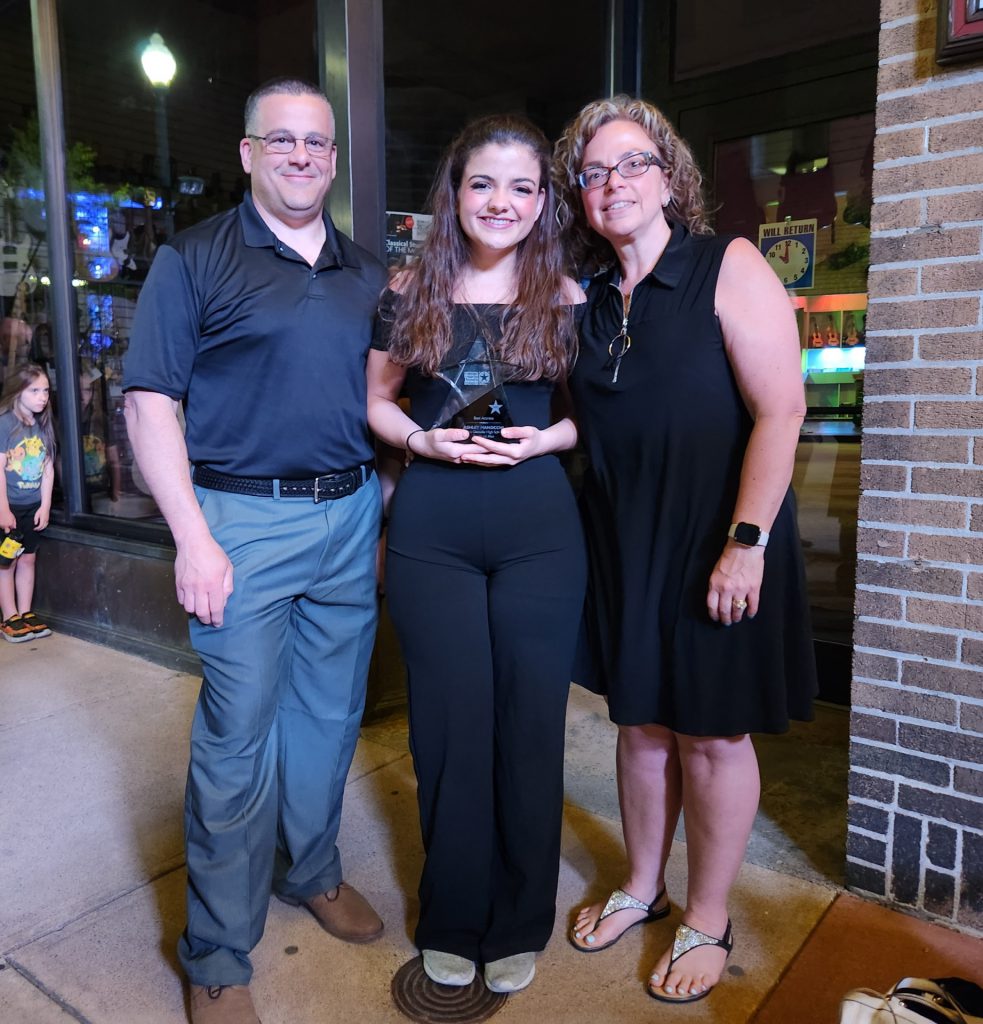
960 31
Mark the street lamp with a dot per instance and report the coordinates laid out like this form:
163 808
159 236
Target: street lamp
159 66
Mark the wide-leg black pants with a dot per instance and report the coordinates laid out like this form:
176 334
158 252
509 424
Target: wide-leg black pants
485 578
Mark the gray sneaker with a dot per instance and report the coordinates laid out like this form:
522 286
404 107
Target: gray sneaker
511 973
447 968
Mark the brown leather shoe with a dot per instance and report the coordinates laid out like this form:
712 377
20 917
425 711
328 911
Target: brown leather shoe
344 913
222 1004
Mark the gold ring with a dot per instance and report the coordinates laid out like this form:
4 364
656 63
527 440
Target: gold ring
740 605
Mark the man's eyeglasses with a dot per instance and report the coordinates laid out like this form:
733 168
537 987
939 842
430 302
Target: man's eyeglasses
284 142
630 167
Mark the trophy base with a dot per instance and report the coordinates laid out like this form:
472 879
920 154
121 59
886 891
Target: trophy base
485 417
488 427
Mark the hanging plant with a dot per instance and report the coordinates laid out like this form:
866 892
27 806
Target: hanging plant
853 253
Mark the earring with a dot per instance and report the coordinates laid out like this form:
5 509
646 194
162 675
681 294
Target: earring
560 213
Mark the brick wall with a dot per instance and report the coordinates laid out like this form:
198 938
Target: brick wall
916 782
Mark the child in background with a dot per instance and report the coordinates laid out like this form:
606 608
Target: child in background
27 448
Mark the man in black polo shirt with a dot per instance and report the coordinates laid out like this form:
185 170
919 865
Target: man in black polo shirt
259 320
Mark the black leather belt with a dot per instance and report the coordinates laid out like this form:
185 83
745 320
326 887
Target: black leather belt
320 488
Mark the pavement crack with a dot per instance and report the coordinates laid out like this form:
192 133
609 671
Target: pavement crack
48 993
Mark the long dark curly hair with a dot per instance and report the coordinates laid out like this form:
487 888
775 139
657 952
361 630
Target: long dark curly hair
686 204
537 326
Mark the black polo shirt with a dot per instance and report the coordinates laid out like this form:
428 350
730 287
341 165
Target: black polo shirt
267 353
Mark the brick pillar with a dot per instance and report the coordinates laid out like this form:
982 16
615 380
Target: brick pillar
916 782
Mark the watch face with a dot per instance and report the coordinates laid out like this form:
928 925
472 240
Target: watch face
746 533
789 259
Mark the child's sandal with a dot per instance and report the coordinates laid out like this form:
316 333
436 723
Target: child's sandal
38 628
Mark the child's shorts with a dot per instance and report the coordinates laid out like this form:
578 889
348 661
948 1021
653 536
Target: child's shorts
24 515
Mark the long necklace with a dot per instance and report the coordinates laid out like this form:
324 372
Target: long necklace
622 339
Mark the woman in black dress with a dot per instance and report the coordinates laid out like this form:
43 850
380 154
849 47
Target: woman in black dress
485 565
689 399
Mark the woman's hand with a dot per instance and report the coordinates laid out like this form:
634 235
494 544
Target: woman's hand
736 578
527 442
448 444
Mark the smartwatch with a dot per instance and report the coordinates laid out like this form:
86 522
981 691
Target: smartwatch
748 534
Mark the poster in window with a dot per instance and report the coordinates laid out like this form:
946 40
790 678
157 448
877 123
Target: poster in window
405 233
790 249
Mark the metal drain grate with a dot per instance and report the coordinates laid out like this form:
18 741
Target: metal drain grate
426 1002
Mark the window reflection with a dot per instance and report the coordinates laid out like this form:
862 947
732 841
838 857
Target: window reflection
116 238
818 172
803 195
147 154
23 253
100 439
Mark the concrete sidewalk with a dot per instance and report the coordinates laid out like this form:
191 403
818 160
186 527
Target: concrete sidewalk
93 748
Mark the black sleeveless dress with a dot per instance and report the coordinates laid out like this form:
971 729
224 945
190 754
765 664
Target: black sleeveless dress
665 444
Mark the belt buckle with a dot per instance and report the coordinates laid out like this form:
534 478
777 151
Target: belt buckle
336 485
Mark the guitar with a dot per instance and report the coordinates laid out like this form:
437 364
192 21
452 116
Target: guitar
852 334
17 334
15 261
17 249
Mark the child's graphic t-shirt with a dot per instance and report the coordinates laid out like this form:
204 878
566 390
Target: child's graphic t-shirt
25 453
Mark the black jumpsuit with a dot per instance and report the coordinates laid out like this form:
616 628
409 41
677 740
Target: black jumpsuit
485 577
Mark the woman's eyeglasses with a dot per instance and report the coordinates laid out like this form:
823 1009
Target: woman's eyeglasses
630 167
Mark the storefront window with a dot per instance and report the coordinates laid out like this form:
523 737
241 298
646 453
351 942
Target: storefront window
21 220
153 103
803 196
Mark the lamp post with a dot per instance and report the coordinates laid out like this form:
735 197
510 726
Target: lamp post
159 66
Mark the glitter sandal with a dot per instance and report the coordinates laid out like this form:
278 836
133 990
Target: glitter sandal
620 900
685 941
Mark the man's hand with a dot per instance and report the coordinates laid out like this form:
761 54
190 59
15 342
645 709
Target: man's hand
203 580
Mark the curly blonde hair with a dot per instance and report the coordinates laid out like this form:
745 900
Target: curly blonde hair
686 204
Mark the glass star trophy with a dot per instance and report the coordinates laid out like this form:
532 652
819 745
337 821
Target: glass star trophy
476 400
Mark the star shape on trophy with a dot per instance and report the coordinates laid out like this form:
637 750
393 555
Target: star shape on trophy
495 408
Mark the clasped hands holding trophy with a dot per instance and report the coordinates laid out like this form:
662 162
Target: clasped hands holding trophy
474 424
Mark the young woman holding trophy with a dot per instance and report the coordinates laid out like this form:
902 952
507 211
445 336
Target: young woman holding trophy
485 567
